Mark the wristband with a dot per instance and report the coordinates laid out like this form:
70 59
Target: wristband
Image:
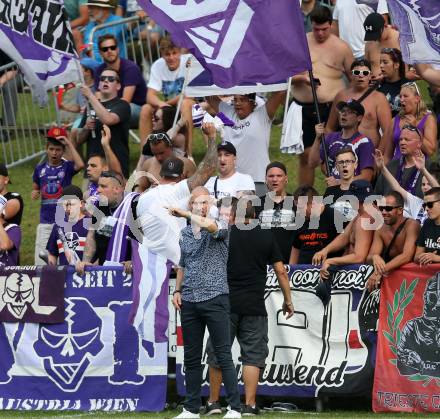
177 291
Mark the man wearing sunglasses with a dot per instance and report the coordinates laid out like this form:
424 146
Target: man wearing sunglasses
109 110
428 242
162 149
377 108
394 244
133 88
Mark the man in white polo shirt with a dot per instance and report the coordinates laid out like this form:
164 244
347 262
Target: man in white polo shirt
229 182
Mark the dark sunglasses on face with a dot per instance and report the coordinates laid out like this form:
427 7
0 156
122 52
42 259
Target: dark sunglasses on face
111 47
429 204
111 79
359 72
156 138
387 208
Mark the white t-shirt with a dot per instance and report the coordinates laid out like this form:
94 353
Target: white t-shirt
251 137
230 186
350 16
164 80
413 208
160 229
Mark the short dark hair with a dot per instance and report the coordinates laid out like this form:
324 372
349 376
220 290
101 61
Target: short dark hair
278 165
361 63
100 156
434 191
168 114
397 197
54 141
165 44
346 149
305 190
321 15
396 57
106 37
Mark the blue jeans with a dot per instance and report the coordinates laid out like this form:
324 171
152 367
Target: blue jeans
213 314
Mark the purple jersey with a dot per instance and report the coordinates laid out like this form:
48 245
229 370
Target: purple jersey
361 145
10 257
72 238
51 180
92 192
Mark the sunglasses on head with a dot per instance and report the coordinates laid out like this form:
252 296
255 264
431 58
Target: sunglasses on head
387 208
391 51
112 175
413 129
157 138
111 79
413 85
111 47
359 72
429 204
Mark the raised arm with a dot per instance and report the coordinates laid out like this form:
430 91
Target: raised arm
213 102
112 161
428 73
274 101
106 117
392 181
206 223
72 154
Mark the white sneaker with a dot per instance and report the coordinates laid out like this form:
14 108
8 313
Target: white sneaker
232 414
188 415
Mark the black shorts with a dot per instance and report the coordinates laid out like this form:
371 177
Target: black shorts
309 120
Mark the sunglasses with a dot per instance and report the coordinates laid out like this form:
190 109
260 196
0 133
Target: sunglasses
429 204
413 85
112 175
157 138
111 48
111 79
344 162
359 72
387 208
413 129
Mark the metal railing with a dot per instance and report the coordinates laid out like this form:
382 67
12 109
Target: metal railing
23 123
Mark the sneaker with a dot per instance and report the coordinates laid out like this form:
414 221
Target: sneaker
247 410
187 415
213 408
232 414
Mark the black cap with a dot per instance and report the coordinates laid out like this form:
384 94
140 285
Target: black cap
373 25
278 165
352 104
172 167
4 171
227 146
72 190
361 189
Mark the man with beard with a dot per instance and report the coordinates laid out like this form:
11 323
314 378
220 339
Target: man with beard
331 58
394 244
351 115
377 109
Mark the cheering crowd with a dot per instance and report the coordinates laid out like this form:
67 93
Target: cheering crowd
222 221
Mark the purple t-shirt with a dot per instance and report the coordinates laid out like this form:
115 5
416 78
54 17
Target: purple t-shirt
51 180
130 75
10 257
361 145
73 237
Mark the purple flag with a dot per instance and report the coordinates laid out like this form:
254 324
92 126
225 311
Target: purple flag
238 41
34 295
418 22
38 38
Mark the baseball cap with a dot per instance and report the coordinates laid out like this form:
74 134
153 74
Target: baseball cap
352 104
55 132
373 25
89 63
172 167
72 190
227 146
361 189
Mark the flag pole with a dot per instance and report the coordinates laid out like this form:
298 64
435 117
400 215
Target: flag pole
318 117
182 93
286 108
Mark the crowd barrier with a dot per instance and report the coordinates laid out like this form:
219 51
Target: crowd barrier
22 123
95 360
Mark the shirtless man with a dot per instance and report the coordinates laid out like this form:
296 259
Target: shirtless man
394 244
162 149
331 58
377 109
355 239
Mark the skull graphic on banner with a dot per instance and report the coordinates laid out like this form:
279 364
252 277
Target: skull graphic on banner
18 294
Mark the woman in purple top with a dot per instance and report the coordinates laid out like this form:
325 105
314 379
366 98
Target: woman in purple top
413 112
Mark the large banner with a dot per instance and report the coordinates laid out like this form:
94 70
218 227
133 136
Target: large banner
320 349
94 360
407 375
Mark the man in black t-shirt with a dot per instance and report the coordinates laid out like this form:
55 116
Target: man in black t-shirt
13 210
111 111
318 229
277 209
428 242
250 251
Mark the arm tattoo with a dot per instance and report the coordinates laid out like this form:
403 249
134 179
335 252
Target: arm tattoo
206 168
90 249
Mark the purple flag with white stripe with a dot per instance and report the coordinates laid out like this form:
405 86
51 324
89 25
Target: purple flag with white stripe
239 42
418 22
38 38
